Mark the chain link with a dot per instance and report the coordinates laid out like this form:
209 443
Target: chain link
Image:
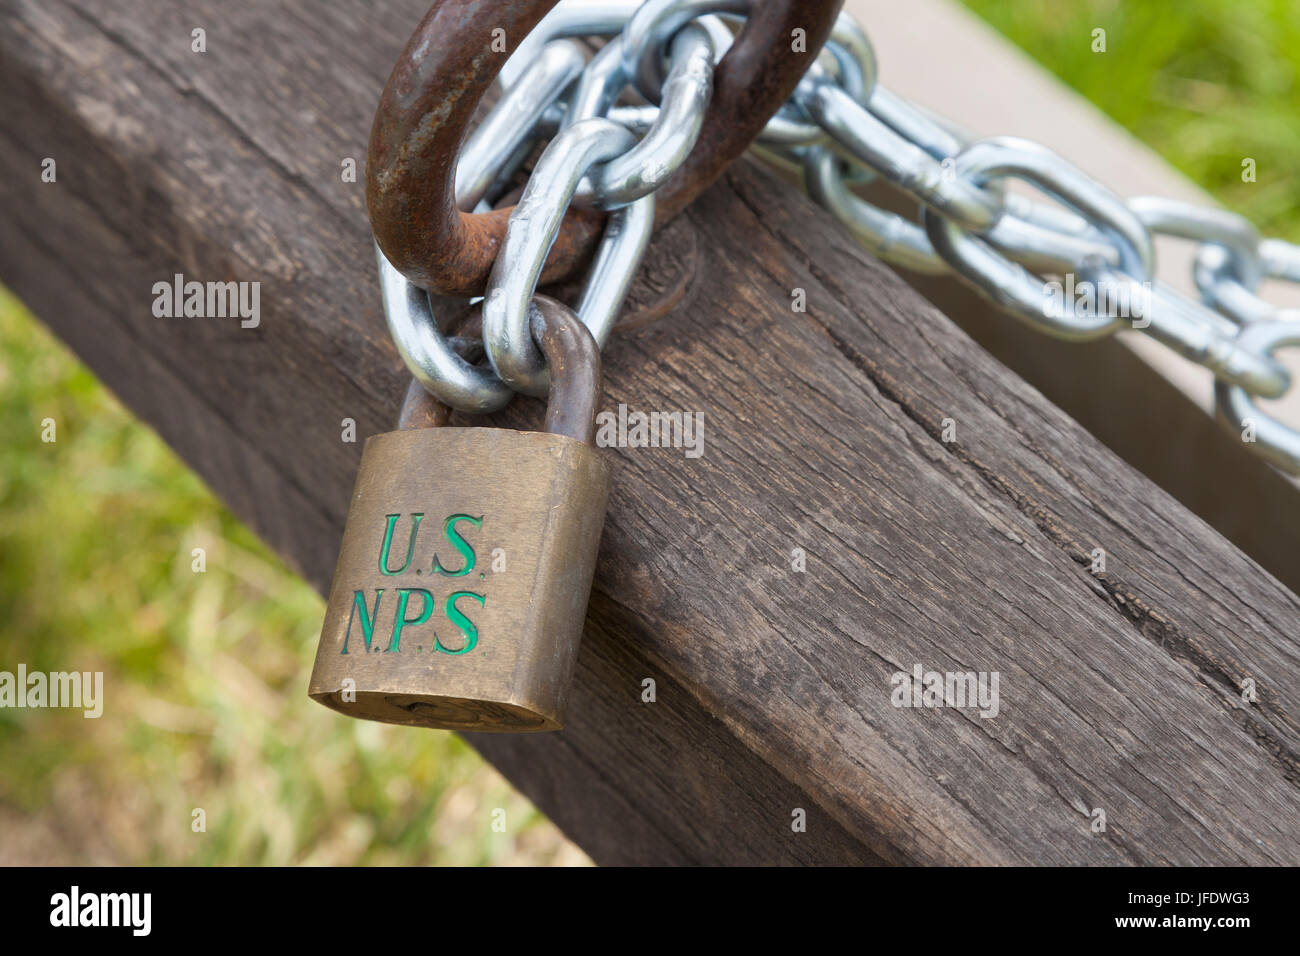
841 128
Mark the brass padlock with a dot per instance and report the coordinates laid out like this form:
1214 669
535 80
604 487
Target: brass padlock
461 587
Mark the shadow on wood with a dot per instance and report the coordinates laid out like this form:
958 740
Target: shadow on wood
1120 691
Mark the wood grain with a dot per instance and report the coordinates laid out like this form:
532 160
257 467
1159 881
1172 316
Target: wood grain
824 431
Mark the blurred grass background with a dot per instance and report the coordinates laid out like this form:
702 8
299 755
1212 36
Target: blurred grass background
205 673
1204 83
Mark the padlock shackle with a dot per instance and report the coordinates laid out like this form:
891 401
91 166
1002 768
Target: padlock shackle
421 410
572 358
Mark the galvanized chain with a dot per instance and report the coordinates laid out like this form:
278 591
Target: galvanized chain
841 128
1005 245
590 158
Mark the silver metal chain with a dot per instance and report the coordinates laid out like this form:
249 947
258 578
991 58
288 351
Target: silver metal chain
840 129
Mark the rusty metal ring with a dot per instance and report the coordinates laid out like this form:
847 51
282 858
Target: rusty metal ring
447 66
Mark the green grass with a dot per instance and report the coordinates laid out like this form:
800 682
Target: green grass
205 673
1206 83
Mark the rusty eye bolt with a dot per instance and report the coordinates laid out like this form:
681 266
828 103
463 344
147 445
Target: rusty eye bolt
426 107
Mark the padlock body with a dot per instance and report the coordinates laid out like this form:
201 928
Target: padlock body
462 582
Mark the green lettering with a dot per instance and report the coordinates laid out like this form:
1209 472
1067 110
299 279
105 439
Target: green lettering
367 617
388 542
459 543
465 625
401 621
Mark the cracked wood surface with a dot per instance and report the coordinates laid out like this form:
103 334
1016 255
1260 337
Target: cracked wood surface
1119 691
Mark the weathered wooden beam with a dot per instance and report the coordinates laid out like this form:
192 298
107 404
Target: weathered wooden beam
1154 416
1120 690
